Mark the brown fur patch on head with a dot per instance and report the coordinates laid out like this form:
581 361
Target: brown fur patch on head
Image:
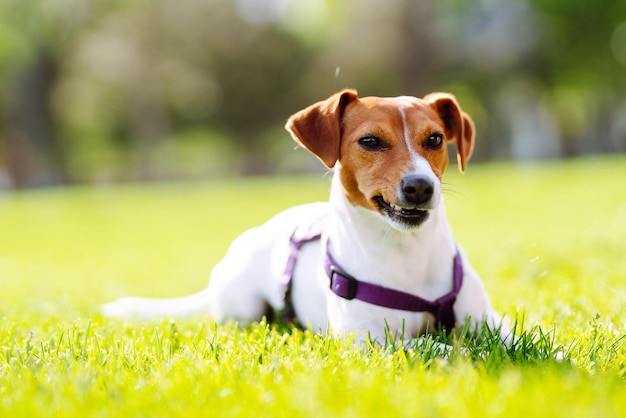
404 126
459 126
332 130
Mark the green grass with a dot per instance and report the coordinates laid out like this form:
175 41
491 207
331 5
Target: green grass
548 240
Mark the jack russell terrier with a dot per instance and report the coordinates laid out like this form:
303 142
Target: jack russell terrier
379 257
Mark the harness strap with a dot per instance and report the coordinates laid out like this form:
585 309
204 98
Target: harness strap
300 236
344 285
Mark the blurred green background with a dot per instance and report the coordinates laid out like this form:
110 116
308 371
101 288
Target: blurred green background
100 91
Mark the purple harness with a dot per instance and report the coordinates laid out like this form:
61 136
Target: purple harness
344 285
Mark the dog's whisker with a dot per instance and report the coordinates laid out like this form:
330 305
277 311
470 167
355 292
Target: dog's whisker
453 193
448 185
386 235
450 189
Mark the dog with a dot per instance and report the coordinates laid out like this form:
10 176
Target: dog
379 257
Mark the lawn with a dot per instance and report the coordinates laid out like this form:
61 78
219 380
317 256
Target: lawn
548 240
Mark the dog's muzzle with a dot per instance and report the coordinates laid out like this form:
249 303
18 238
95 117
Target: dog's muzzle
417 190
415 199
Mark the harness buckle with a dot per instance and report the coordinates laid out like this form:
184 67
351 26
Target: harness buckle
342 284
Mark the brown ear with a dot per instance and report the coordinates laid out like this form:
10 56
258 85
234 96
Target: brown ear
318 127
459 126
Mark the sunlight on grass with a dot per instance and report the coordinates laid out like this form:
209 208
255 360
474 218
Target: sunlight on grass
548 240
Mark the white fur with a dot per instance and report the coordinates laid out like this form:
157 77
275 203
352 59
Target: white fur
247 279
366 243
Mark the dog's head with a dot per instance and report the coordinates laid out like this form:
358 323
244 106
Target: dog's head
390 153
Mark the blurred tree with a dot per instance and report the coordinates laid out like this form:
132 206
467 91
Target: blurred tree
34 41
575 64
257 74
34 156
161 67
110 90
32 153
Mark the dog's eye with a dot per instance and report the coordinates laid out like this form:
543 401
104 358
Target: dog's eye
371 143
434 141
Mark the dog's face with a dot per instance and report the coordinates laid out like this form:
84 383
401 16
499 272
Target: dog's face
390 153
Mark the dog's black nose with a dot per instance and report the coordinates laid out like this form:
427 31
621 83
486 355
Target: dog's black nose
417 189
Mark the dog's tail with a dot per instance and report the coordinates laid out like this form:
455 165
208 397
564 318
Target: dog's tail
147 308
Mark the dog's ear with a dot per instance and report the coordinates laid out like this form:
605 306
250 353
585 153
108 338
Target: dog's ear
318 127
459 126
